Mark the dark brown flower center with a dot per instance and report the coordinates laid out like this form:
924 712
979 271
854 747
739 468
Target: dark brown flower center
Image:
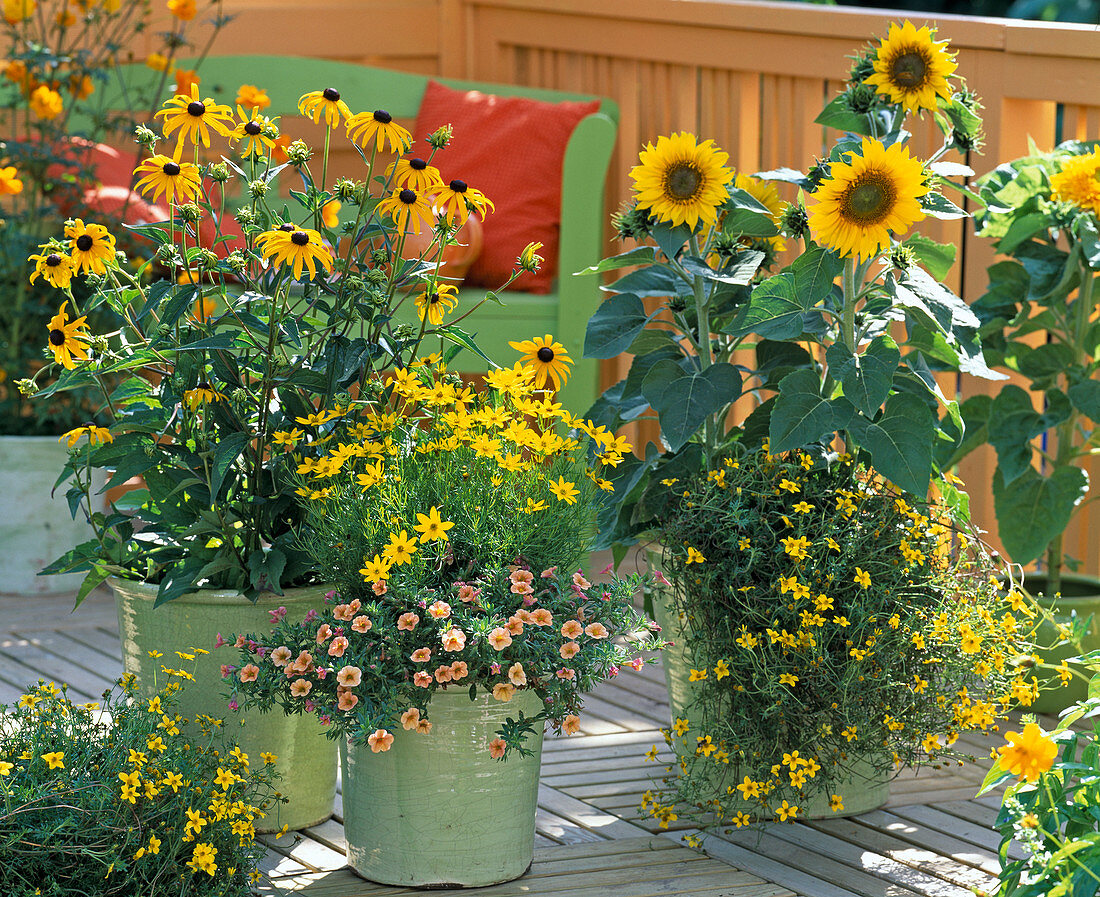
171 169
53 260
196 108
203 385
408 197
287 227
909 69
253 128
433 298
869 200
382 116
683 182
458 186
299 238
331 94
545 355
417 164
57 337
84 242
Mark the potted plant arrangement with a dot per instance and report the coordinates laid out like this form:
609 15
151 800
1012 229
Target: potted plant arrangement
453 523
115 799
55 163
1042 211
231 351
851 394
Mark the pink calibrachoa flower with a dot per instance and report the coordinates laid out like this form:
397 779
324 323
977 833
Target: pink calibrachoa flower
349 677
324 719
514 625
596 630
459 670
497 748
277 614
439 610
407 622
467 593
571 629
660 577
503 691
240 642
410 718
569 650
233 705
494 668
454 640
322 672
324 633
606 571
249 672
542 617
362 623
421 655
579 582
636 664
311 615
219 641
443 674
499 638
281 656
309 706
571 724
516 675
227 670
338 647
549 573
330 596
529 600
422 679
299 688
380 741
566 673
346 700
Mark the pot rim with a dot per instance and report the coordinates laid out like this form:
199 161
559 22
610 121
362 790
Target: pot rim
147 591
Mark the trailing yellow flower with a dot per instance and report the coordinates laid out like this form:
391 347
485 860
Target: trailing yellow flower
911 68
682 181
1028 754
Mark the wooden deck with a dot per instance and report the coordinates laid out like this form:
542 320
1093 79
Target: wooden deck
932 839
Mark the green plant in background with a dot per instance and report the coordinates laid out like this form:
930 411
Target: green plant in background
60 104
253 340
1039 321
824 357
112 800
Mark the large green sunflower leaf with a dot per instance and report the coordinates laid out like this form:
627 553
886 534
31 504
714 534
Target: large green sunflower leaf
866 377
1032 510
900 442
684 400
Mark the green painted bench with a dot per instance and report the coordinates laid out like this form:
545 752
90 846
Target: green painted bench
563 312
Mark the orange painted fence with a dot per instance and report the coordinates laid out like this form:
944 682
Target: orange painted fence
750 75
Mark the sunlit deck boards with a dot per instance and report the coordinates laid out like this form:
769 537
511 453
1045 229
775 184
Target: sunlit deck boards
932 839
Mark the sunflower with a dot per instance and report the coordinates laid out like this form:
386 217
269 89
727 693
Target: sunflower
546 358
416 174
175 179
407 207
257 133
764 192
864 199
54 266
68 339
296 246
681 181
194 118
457 199
327 103
1078 182
381 126
92 247
911 68
434 302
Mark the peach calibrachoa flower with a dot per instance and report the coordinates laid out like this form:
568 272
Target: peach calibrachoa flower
580 582
303 663
249 673
503 691
443 674
338 647
299 688
423 727
349 677
380 741
571 724
571 629
422 679
346 700
569 650
440 610
346 612
361 624
421 655
407 622
515 625
516 675
499 638
497 748
467 593
454 640
410 719
459 670
566 673
596 630
542 617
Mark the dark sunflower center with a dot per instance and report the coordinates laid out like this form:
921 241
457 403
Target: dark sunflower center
683 182
382 116
417 164
53 260
545 355
331 94
171 169
196 108
458 186
408 197
909 69
869 199
299 238
253 128
84 242
57 337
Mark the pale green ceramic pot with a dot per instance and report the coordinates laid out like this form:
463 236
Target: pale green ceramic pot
1080 600
307 760
865 787
436 810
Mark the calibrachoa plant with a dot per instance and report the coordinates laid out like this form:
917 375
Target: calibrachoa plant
453 522
111 800
267 316
835 627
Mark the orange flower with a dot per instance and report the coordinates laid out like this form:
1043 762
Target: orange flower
303 663
499 638
569 650
596 630
410 719
503 691
338 647
407 621
349 677
516 675
497 748
380 741
421 655
571 629
249 672
423 727
299 688
439 610
183 9
454 640
422 679
443 674
459 670
251 97
566 673
1029 754
515 624
185 78
346 700
542 617
571 724
362 623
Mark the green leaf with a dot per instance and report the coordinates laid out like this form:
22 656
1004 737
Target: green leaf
774 311
95 576
227 451
614 326
936 205
838 114
937 258
1014 422
265 569
917 289
656 280
815 272
643 255
1032 510
1086 398
683 401
801 415
786 176
900 442
866 378
464 340
740 271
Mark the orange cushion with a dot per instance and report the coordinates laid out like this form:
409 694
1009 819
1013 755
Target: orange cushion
511 149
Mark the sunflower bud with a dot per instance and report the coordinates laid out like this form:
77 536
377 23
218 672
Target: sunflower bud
862 67
818 172
632 223
793 220
439 139
299 153
860 98
677 303
902 258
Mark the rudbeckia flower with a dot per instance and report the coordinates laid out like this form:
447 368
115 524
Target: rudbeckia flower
326 103
416 174
295 247
175 179
546 357
96 435
255 133
202 394
380 126
55 267
68 339
194 118
92 247
407 207
434 302
457 199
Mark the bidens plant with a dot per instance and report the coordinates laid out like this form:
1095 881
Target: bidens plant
453 522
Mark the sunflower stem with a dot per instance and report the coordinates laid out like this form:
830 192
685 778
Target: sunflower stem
706 358
848 327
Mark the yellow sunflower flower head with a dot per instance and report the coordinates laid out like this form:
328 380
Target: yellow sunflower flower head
682 181
911 68
1078 182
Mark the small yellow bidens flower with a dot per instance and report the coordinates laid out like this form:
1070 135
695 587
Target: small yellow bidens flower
54 759
862 578
697 675
694 556
45 103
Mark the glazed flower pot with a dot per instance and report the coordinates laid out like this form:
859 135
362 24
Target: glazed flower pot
35 528
306 759
1080 600
866 787
436 810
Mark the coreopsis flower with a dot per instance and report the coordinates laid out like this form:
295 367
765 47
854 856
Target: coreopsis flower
408 209
1028 754
457 199
68 339
178 181
158 62
10 183
254 133
194 118
416 174
564 490
433 302
865 199
91 247
46 103
682 181
379 126
16 11
55 267
911 69
296 247
251 97
318 104
96 435
432 527
546 357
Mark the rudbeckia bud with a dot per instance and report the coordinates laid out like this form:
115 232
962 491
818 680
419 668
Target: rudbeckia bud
347 190
100 343
439 139
239 397
144 136
376 277
218 172
379 257
354 283
167 254
298 153
257 188
25 387
405 332
189 212
208 260
245 217
236 262
93 281
528 260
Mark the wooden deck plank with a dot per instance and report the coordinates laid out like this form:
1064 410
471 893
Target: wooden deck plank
981 836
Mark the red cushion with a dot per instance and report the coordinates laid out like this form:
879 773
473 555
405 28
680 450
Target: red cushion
511 149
